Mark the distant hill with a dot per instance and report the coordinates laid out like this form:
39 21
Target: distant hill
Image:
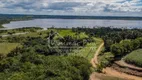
68 17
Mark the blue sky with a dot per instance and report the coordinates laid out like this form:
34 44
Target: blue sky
73 7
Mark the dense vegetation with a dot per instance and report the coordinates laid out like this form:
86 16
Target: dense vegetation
45 57
31 66
134 58
51 54
111 35
118 42
126 46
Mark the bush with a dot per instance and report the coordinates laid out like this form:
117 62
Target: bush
106 59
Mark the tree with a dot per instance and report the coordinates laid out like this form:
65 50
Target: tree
127 46
140 40
136 44
117 49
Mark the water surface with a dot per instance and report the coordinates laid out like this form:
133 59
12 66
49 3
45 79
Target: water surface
46 23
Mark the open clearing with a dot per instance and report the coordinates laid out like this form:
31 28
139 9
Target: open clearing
100 76
89 50
5 48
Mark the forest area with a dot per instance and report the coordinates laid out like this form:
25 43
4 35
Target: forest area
22 54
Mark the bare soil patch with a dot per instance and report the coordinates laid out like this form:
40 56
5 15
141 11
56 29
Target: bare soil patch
124 64
127 70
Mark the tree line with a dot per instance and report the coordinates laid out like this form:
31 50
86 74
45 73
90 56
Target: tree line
126 46
111 35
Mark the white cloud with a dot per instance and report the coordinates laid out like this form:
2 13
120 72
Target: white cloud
73 7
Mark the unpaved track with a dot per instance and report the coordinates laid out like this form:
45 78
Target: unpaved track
109 71
115 73
123 63
94 60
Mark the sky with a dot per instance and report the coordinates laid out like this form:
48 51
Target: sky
73 7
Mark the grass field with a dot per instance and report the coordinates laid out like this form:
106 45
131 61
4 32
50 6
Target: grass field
66 32
89 50
134 58
5 48
70 33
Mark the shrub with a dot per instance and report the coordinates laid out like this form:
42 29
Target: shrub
106 59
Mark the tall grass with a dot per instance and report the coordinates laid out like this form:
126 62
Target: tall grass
5 48
134 58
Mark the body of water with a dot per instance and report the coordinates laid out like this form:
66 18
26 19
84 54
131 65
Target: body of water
46 23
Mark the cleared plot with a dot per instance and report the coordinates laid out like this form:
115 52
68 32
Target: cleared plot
100 76
5 48
89 50
134 58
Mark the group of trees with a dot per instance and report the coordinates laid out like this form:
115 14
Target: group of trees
31 66
55 46
69 40
126 46
118 42
111 35
50 44
118 50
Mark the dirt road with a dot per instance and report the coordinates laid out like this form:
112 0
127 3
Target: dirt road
115 73
124 64
94 60
109 71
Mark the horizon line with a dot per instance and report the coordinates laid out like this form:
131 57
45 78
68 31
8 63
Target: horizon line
66 15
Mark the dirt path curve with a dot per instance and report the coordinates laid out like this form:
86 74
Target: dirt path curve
94 60
124 64
109 71
115 73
